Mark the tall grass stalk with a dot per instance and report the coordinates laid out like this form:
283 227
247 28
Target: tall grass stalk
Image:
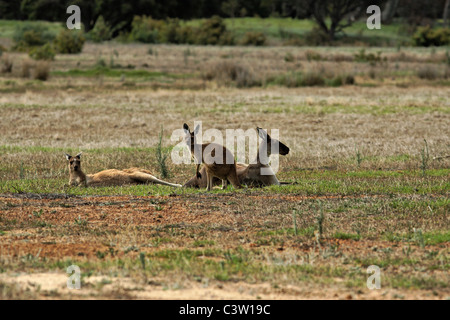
161 157
320 220
294 218
358 156
425 157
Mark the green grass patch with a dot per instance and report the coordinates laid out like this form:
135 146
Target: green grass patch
8 27
419 238
370 183
346 236
108 72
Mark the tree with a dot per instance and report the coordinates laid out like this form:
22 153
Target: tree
9 9
333 16
420 12
446 10
389 12
230 7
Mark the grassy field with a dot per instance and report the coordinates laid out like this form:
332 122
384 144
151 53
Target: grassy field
368 175
277 30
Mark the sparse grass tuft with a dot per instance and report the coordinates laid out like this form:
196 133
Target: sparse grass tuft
425 157
162 157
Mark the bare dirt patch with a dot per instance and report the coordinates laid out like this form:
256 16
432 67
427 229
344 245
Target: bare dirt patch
85 229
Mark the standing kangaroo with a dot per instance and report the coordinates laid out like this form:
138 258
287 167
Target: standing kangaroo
111 177
225 170
250 174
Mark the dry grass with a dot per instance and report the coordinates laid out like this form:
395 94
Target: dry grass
322 125
41 70
6 64
430 73
27 66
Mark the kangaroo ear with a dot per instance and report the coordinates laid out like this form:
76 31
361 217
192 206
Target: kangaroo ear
263 134
197 129
186 127
68 156
78 155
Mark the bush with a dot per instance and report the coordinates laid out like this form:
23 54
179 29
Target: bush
145 29
101 31
254 39
6 64
316 37
27 65
41 70
312 78
229 73
173 32
45 52
426 36
428 73
69 41
31 34
340 80
214 32
371 58
2 49
313 56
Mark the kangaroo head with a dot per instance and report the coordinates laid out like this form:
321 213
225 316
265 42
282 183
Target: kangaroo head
74 162
282 148
190 136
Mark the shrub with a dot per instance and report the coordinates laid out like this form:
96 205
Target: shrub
340 80
31 34
229 72
3 49
44 52
41 70
101 31
426 36
254 39
289 57
313 56
290 80
299 79
428 73
214 32
6 64
69 41
371 58
145 29
316 37
313 79
27 65
348 79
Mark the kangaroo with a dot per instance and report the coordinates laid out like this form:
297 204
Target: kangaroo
111 177
250 174
224 171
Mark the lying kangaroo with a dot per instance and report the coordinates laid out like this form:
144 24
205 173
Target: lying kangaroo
249 174
111 177
225 171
